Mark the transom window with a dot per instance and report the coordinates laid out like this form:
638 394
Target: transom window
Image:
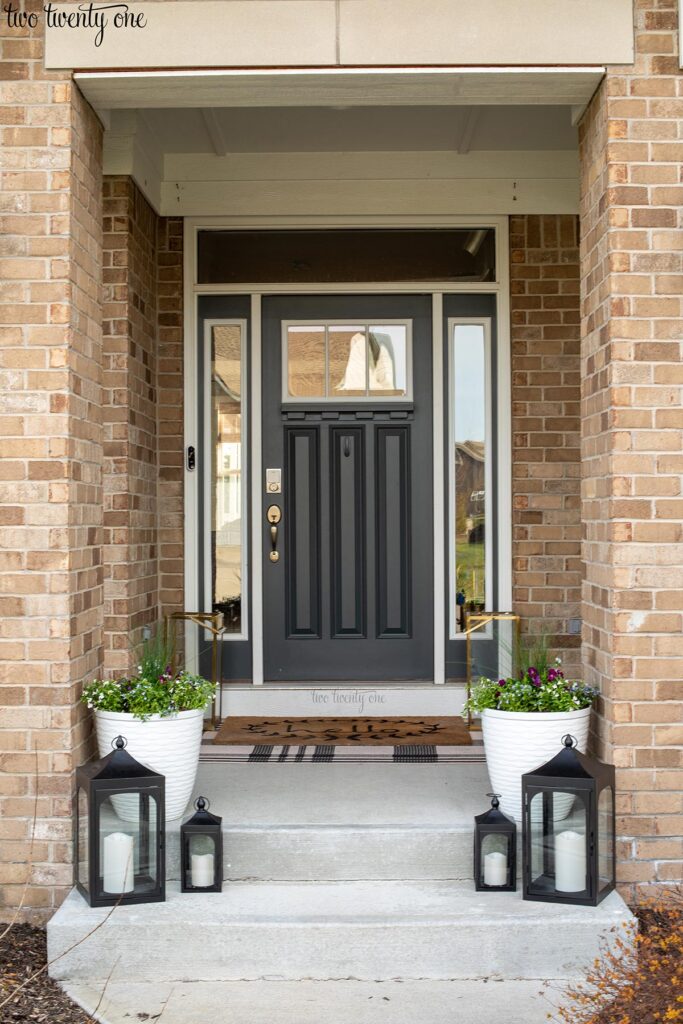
342 361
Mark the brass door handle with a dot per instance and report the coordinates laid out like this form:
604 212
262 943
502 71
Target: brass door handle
273 516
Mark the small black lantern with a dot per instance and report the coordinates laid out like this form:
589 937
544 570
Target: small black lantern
201 851
119 835
568 841
495 850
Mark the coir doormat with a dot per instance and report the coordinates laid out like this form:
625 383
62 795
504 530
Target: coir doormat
344 731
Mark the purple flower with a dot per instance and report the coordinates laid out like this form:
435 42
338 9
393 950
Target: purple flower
501 682
552 675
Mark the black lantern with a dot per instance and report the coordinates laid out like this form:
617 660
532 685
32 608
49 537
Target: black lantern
119 835
495 850
201 851
568 839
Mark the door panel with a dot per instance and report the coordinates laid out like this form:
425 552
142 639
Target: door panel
302 484
393 531
347 527
348 594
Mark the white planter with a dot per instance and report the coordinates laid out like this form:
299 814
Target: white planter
169 745
516 742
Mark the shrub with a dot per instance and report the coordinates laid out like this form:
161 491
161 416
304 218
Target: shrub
640 979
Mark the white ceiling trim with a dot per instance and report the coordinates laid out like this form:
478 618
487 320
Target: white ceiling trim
285 87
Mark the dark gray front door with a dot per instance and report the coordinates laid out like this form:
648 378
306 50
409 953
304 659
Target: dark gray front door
347 422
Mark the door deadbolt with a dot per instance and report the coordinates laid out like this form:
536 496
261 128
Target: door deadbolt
273 515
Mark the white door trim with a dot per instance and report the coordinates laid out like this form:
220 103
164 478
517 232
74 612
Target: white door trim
437 289
439 491
256 581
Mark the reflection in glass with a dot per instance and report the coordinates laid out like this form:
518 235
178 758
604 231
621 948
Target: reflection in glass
348 362
387 360
227 478
447 254
306 362
469 416
606 837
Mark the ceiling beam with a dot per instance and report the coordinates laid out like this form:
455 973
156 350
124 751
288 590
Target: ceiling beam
215 131
468 128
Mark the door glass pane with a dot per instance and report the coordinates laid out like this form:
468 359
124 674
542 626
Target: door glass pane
387 359
306 362
348 362
441 254
227 478
469 416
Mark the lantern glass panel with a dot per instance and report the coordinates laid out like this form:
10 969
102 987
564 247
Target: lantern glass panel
495 859
201 861
605 838
558 823
82 863
127 843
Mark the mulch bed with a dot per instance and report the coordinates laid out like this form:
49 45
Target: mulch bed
23 951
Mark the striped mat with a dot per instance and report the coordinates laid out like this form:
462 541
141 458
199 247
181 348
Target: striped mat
323 754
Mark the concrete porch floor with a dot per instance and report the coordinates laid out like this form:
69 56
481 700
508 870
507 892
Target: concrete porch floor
311 1002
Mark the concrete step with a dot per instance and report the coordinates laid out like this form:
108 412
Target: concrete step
325 931
327 822
306 853
337 700
313 1002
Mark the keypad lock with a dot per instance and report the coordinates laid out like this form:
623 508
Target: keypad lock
274 481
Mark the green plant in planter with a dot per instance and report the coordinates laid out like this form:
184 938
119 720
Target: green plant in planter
539 686
156 689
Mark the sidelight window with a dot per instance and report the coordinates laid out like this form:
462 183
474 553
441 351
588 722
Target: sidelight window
225 483
340 362
470 469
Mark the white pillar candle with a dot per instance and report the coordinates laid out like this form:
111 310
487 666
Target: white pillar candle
118 862
570 862
202 869
495 869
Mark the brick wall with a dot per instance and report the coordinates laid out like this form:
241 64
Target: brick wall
632 441
170 412
546 518
130 413
50 486
143 424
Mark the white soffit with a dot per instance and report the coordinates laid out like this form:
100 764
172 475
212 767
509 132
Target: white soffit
110 90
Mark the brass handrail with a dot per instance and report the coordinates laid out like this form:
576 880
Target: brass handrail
213 622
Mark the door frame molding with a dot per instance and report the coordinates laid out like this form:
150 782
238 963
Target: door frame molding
437 289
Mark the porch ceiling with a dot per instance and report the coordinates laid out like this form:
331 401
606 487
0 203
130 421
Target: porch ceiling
225 130
489 141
